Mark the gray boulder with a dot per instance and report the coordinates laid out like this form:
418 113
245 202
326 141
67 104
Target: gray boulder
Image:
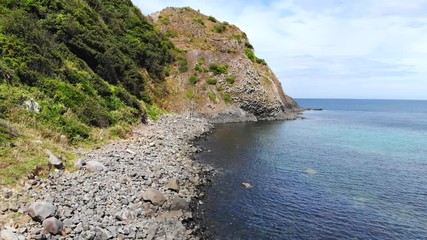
39 211
179 203
56 162
103 234
7 234
154 196
95 166
30 105
52 225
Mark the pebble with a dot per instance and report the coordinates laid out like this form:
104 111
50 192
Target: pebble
130 189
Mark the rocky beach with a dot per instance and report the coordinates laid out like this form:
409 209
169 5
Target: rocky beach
138 188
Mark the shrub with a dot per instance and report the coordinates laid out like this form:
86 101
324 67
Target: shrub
201 61
250 54
212 19
164 20
198 68
220 28
182 65
199 21
261 61
211 81
230 80
227 98
248 45
193 80
218 68
171 34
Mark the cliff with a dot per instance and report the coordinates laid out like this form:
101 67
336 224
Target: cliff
219 75
79 73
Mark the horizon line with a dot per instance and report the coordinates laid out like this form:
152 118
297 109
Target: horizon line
332 98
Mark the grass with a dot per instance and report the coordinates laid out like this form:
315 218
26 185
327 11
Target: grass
218 68
211 81
212 97
230 80
227 98
193 80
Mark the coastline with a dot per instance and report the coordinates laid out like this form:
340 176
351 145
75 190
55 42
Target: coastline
115 202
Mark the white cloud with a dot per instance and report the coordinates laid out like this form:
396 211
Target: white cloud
382 43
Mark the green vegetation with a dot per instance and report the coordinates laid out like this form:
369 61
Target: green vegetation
212 96
87 63
212 19
211 81
230 80
251 55
171 34
164 19
220 28
218 68
227 98
199 21
182 64
190 94
238 37
193 80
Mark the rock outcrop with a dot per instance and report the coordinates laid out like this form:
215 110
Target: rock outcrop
218 76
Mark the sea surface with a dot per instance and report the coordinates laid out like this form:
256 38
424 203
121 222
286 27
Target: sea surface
356 170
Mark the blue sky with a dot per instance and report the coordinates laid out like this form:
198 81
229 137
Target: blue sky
331 48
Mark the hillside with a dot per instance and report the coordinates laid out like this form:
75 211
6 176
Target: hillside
219 76
75 74
75 71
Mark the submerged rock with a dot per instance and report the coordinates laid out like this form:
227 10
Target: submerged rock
310 171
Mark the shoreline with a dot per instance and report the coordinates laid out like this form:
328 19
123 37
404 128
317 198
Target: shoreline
143 189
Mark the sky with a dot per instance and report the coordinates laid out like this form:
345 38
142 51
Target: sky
369 49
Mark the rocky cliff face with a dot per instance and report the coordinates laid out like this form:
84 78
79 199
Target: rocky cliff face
218 75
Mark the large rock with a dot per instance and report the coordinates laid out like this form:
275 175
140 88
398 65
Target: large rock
52 225
103 234
173 185
154 196
30 105
39 211
179 203
7 234
54 161
95 166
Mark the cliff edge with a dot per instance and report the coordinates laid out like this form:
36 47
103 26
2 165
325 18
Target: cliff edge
218 74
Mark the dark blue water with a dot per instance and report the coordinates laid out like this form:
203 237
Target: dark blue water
357 170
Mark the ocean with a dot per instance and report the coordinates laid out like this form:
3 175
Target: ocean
356 170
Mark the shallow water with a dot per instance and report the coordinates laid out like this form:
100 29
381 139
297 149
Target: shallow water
357 170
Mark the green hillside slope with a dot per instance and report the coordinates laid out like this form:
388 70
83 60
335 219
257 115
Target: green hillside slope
90 65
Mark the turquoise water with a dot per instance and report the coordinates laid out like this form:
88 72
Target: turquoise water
357 170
